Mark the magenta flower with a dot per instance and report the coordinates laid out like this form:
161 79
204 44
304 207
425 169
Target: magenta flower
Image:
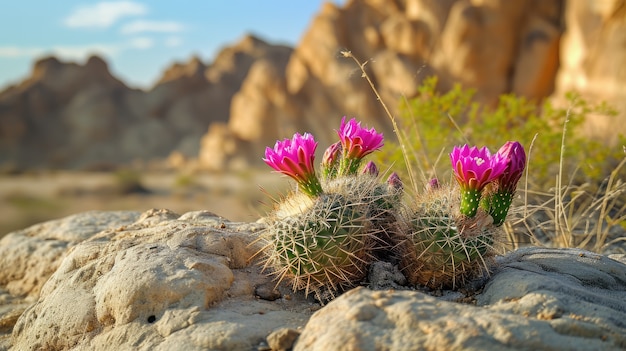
330 160
394 182
371 169
295 158
515 157
498 202
473 169
356 142
433 184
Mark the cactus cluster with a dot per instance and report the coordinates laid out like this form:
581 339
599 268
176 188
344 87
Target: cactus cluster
323 237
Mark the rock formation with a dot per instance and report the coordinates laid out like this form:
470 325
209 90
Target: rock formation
593 59
226 112
160 281
67 115
494 46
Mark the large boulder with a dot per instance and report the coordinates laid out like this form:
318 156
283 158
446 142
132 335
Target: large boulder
592 60
162 281
493 46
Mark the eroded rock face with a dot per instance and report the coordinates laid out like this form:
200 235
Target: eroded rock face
162 281
67 115
493 46
592 60
149 282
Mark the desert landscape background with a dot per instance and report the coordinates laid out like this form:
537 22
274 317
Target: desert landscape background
73 137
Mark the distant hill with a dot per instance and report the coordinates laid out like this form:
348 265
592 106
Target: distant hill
70 116
224 113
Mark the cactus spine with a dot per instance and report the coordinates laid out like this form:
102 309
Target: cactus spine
320 243
444 248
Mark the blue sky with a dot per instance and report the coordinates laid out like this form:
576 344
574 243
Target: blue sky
140 38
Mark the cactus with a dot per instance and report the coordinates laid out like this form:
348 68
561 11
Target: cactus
321 243
444 248
323 238
325 243
382 201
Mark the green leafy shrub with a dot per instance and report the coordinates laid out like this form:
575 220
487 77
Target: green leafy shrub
128 181
433 122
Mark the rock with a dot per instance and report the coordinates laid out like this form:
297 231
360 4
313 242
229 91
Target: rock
161 281
34 253
592 61
156 280
539 299
253 93
73 116
282 339
267 292
494 47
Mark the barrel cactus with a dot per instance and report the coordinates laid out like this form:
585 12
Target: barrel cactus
323 236
451 231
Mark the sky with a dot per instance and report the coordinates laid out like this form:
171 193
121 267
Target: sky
139 39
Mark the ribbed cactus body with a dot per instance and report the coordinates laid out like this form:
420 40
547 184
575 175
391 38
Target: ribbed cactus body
320 243
325 243
382 203
444 248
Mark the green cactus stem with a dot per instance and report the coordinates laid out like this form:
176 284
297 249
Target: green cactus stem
497 205
444 248
318 245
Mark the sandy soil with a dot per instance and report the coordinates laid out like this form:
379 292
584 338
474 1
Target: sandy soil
33 198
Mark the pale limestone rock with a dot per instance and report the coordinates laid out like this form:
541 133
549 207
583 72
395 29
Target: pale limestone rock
161 281
154 281
34 253
538 299
592 61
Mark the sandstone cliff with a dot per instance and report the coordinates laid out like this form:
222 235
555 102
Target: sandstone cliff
226 112
593 60
494 46
67 115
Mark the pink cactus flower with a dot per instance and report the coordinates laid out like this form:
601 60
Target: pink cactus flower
394 182
371 169
497 203
474 168
358 141
330 160
294 158
515 157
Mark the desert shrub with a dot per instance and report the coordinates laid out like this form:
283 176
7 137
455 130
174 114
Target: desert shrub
128 181
185 180
433 122
574 194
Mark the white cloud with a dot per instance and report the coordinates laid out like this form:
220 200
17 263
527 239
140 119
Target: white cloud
141 43
140 26
83 52
103 14
15 52
69 52
173 41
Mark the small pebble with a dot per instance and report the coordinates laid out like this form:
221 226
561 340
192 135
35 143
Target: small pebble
282 339
267 292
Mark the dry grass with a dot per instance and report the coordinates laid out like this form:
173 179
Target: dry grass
587 216
33 198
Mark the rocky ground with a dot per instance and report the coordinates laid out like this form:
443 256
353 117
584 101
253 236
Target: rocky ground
36 197
161 281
